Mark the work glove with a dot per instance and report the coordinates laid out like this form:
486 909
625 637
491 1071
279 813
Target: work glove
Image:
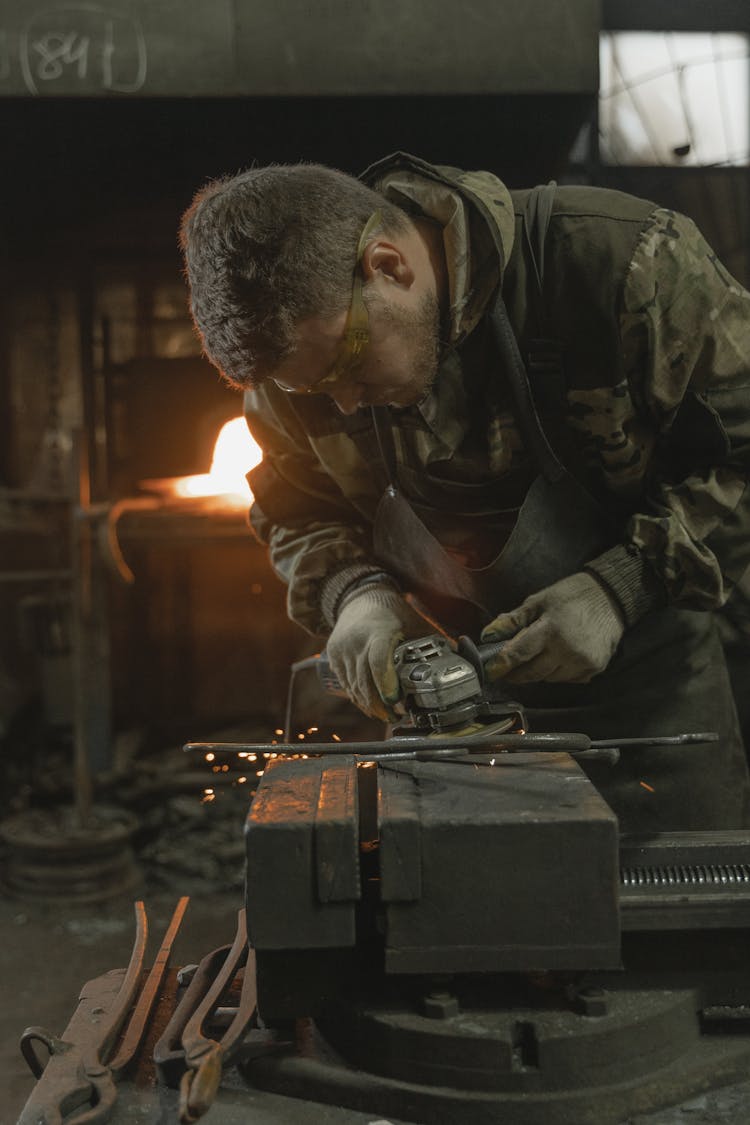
566 633
369 625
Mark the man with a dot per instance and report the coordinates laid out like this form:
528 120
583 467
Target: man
524 413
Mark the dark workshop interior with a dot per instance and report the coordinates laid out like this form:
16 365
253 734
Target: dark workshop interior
138 615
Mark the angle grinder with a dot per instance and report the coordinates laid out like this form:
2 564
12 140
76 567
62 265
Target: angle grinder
442 688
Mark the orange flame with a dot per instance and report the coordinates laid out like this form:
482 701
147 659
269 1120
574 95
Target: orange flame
235 453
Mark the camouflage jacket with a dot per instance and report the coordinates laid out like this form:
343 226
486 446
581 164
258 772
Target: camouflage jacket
655 338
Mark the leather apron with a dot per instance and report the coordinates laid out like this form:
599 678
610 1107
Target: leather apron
668 675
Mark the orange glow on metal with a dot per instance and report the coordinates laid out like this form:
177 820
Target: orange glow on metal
235 453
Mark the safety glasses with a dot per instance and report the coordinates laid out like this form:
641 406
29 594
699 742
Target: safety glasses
356 330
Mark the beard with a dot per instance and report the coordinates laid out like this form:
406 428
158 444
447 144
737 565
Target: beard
419 333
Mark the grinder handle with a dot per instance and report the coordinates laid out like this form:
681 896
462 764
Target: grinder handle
477 655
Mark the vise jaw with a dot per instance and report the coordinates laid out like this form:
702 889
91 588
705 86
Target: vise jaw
442 867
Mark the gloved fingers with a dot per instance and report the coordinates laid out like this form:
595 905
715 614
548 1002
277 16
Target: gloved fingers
353 673
567 674
362 689
521 649
339 668
352 668
541 670
507 625
380 657
376 709
344 666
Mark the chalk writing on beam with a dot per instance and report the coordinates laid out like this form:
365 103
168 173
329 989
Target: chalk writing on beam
87 47
57 51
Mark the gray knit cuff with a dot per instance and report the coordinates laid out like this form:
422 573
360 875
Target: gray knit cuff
628 576
343 582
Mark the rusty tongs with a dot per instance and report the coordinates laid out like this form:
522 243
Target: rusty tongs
185 1053
93 1053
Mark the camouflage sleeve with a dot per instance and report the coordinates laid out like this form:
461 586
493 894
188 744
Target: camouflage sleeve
319 545
685 333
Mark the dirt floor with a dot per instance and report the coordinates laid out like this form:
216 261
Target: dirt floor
47 954
185 844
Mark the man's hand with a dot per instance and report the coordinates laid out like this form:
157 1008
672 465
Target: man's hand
360 648
566 633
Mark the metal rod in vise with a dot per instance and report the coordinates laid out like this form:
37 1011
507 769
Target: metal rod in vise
573 743
511 742
692 738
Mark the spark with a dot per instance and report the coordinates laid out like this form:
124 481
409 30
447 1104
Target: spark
278 731
335 738
312 730
210 756
647 786
241 780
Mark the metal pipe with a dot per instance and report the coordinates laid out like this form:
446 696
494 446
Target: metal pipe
513 742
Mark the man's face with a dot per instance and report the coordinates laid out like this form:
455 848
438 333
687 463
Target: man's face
398 363
397 368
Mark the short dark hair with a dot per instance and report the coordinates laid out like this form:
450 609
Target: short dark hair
268 248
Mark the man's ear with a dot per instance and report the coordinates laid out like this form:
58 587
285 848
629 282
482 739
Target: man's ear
385 259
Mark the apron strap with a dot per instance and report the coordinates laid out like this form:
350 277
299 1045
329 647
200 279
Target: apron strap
381 420
536 222
536 219
518 380
544 355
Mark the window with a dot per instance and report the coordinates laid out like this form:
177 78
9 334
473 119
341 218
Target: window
679 99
